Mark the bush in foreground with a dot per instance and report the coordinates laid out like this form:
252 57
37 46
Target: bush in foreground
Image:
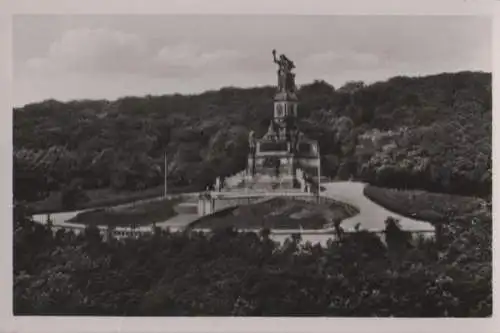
244 274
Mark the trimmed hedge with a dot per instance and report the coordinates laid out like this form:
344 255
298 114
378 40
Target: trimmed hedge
422 205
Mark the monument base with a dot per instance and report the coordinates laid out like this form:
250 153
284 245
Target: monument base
265 182
288 183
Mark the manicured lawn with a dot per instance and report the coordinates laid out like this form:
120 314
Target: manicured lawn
105 197
422 205
277 213
141 214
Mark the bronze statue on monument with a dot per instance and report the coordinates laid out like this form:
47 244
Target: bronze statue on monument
286 79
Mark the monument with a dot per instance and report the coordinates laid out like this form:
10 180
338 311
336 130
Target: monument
284 149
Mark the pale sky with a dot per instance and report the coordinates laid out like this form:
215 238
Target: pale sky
89 57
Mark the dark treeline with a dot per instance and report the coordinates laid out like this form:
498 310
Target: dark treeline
227 273
441 139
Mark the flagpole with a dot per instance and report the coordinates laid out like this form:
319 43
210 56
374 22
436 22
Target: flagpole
165 177
319 173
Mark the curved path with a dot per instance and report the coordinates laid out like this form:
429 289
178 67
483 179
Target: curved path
60 219
371 216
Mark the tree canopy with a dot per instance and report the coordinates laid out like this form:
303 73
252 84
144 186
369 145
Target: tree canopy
229 273
439 136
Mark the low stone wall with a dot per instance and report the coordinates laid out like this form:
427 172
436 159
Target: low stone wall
313 236
118 233
186 208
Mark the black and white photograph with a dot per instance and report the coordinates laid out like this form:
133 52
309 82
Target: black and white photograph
277 165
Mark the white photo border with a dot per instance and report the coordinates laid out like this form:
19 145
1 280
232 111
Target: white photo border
8 323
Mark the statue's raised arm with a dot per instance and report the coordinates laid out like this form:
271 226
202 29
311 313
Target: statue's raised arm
283 62
274 58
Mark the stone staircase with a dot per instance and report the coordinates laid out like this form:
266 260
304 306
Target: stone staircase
263 182
267 183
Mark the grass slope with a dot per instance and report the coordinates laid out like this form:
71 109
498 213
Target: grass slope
277 213
141 214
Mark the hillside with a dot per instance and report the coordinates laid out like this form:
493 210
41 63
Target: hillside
429 133
440 139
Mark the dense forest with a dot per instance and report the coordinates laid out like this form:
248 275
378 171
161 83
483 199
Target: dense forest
439 126
247 274
429 133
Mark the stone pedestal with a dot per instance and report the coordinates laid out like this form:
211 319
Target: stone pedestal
206 204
